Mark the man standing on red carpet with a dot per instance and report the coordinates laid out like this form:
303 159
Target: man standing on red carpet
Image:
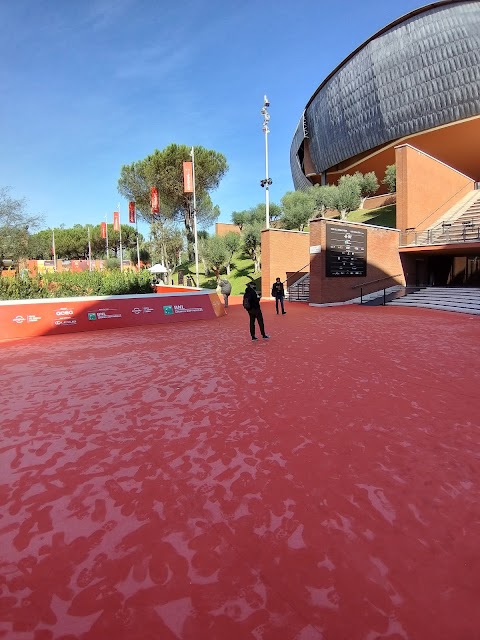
251 302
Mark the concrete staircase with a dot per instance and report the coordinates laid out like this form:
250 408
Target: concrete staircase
461 300
460 224
299 291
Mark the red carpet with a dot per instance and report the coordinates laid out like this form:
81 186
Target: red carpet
183 482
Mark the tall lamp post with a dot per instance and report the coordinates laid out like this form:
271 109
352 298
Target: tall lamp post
266 182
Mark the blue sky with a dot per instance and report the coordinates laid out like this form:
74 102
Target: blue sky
91 85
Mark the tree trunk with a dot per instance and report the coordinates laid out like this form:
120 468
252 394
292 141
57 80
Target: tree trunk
190 233
228 268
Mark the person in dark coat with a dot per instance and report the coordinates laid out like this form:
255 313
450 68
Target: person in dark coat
278 293
225 290
252 300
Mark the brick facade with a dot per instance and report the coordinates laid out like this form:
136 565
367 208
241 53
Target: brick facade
383 263
283 253
222 228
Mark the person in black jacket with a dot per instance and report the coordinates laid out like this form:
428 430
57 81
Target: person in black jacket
278 293
251 302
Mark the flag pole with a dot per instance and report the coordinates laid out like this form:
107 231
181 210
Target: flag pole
54 251
89 250
120 231
106 232
138 246
195 216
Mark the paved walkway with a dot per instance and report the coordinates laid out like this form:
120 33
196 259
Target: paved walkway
182 482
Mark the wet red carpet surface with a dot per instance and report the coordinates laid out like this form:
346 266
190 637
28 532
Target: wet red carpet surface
183 482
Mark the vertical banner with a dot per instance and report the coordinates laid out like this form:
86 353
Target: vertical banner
131 212
187 177
103 230
154 200
116 221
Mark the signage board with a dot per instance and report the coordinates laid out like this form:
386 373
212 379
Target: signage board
346 254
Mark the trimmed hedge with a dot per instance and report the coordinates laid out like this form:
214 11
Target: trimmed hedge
68 284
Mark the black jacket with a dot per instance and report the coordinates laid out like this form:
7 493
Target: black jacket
278 290
251 295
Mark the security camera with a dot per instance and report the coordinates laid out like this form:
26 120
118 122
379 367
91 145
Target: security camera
266 101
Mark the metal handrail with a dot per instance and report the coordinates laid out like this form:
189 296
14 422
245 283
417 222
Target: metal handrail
298 271
384 292
364 284
443 234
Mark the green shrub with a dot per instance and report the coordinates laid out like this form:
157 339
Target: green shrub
68 284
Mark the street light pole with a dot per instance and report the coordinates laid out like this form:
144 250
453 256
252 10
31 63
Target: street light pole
266 182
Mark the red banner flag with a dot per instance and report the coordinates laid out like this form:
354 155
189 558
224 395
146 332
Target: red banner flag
131 212
187 177
116 221
154 200
103 229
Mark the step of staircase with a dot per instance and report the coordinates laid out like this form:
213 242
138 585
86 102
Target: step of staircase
460 300
299 291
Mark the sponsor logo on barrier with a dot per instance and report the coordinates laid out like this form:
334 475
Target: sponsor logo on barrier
33 318
64 312
179 308
104 314
136 311
19 319
64 321
168 310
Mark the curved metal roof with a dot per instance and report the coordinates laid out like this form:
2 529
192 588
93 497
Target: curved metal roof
420 72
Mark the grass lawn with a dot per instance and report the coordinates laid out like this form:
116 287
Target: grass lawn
383 216
241 272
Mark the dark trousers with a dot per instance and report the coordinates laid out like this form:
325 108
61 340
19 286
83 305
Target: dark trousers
256 313
277 300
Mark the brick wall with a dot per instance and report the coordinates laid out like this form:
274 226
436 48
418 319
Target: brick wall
222 228
383 263
283 252
426 188
379 201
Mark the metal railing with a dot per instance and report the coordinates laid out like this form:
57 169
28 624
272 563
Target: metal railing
385 296
295 273
445 233
364 284
301 289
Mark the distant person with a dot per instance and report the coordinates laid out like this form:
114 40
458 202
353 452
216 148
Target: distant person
251 302
278 293
225 290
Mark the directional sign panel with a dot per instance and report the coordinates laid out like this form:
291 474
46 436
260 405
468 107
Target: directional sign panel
346 251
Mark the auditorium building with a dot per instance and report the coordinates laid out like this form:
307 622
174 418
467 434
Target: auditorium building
409 96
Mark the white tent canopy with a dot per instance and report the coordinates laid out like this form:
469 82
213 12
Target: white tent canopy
158 268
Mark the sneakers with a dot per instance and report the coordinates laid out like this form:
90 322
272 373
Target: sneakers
283 313
265 337
254 338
